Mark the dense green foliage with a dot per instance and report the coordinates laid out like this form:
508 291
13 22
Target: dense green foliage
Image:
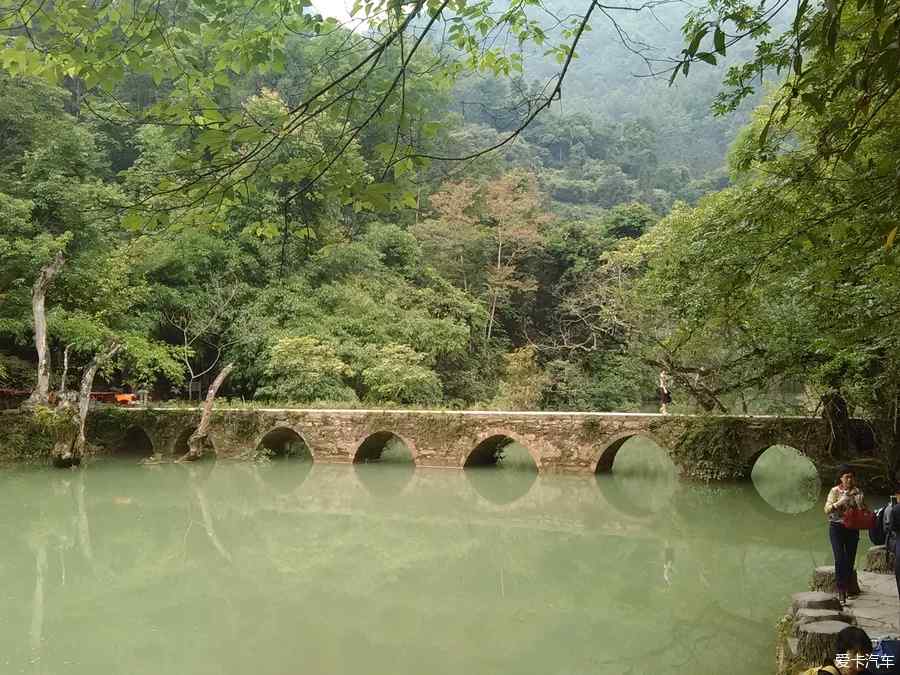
282 197
325 304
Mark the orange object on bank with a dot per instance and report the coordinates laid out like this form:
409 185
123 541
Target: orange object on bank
125 399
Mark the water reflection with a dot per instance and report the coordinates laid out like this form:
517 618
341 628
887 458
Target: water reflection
283 475
643 481
387 478
501 470
786 479
384 464
501 485
208 568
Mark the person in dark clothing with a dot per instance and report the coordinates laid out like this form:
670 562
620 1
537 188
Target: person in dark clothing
892 542
844 541
663 393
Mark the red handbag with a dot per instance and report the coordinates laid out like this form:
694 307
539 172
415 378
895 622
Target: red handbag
858 519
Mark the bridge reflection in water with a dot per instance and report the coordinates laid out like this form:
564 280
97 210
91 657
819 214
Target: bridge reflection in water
227 566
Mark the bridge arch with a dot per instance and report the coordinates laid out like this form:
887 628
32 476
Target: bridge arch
489 444
752 453
136 441
285 441
603 459
371 447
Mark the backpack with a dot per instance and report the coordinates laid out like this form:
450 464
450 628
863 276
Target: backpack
886 657
890 533
878 533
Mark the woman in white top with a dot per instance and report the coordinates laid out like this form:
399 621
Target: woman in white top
844 541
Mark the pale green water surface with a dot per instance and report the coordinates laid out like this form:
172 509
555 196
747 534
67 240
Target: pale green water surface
292 567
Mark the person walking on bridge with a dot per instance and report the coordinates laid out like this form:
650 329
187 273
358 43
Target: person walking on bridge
665 398
844 541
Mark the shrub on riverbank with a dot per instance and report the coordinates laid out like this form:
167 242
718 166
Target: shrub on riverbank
28 435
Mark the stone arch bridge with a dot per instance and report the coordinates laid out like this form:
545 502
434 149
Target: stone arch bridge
704 447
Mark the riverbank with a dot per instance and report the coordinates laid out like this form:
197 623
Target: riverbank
806 634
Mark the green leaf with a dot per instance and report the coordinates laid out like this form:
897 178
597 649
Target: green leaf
674 74
813 101
707 57
719 40
763 137
402 167
384 150
695 41
430 129
889 242
132 221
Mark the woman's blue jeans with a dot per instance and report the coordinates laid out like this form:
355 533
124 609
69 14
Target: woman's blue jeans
843 542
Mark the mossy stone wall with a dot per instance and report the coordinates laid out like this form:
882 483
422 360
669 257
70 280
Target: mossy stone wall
705 448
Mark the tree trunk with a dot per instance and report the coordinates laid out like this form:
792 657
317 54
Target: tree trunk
65 373
199 440
495 292
490 325
41 393
835 413
69 450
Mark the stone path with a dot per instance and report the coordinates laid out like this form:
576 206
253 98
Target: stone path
877 609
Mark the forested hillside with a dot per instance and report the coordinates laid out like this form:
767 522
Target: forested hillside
208 200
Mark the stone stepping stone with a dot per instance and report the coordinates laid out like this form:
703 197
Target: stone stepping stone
814 600
879 559
823 579
816 641
806 616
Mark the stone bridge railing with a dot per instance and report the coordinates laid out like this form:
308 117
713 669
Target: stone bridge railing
710 447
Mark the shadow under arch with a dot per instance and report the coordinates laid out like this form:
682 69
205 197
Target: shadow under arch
135 443
285 443
501 469
384 446
288 459
384 463
785 478
491 450
645 481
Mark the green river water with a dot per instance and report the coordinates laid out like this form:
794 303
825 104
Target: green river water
292 567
